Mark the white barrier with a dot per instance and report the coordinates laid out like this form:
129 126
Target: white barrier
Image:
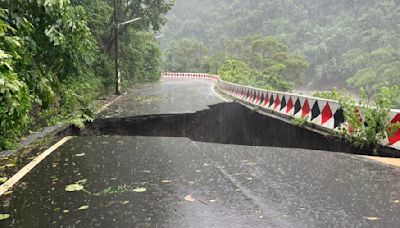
321 112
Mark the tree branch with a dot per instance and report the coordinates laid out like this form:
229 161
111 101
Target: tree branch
111 38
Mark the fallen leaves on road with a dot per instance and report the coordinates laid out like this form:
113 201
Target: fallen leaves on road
84 207
78 186
139 190
10 165
372 218
74 187
120 189
114 190
125 202
3 179
83 181
4 216
190 198
79 155
166 181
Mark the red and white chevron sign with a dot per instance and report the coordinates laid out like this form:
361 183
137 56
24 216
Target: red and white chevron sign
326 114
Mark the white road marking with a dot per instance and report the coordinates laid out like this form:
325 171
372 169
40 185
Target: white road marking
212 88
108 104
387 161
21 173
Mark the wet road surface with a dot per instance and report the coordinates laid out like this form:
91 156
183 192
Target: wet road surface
167 97
143 182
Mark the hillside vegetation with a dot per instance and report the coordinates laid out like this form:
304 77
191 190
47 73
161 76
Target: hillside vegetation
56 57
347 43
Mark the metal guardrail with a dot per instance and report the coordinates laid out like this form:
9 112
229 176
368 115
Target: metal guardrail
326 114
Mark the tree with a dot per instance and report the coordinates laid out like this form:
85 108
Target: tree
235 71
337 38
185 56
55 58
15 100
268 55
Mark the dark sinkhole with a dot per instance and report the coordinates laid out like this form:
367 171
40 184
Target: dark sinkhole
225 123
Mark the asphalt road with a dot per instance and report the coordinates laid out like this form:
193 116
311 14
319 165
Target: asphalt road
167 97
175 182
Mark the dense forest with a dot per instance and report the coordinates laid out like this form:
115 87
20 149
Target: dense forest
346 43
56 57
254 60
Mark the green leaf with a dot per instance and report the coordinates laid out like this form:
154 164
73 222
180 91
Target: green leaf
3 179
83 181
4 216
139 190
84 207
73 187
79 155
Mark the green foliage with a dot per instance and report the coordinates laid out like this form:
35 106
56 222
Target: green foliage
331 95
376 125
347 43
4 216
48 49
375 76
269 56
255 109
235 71
186 55
56 57
270 81
140 58
258 61
15 100
299 121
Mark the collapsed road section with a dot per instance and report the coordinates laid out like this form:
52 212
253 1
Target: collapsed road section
226 123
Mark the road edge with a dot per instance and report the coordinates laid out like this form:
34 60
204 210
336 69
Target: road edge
5 187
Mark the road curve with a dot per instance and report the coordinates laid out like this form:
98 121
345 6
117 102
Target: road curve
169 96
